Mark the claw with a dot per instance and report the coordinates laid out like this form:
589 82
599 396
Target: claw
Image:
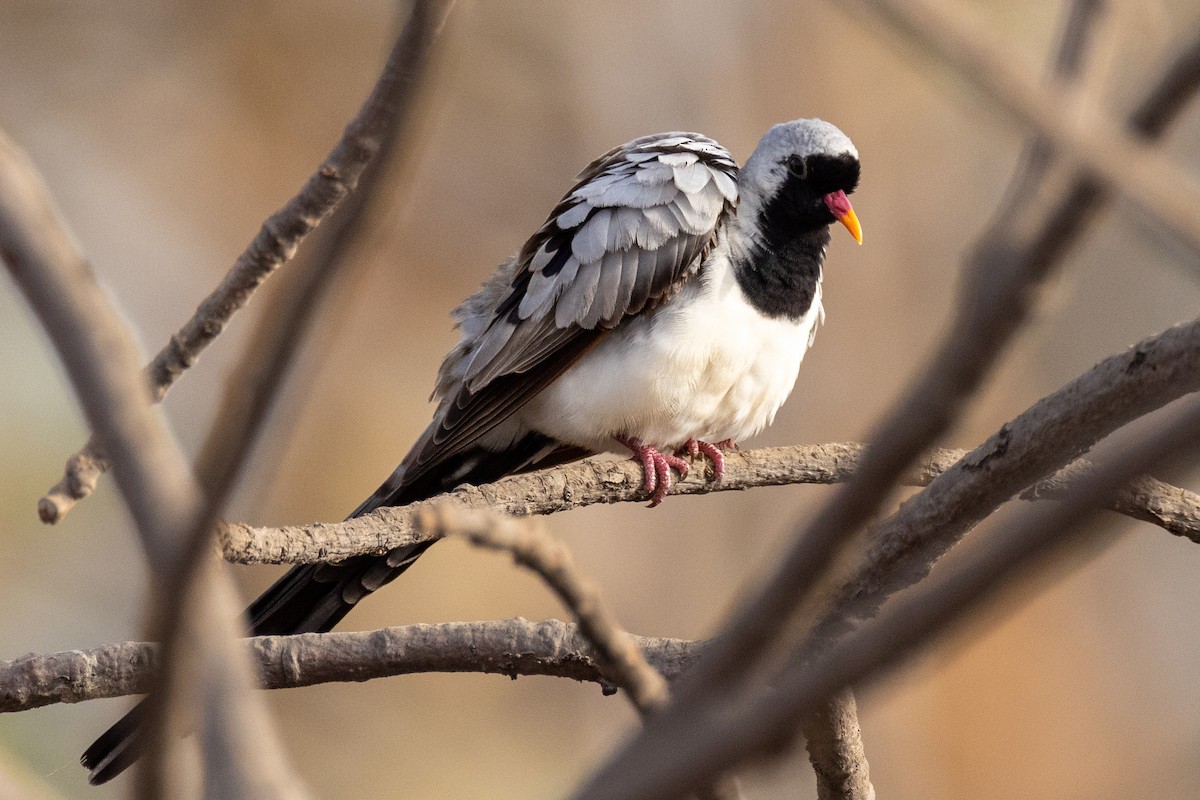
656 467
714 452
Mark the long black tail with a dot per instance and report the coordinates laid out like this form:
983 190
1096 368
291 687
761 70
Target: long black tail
312 598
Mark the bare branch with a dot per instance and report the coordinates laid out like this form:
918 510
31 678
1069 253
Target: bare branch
236 430
154 478
836 750
98 354
585 483
513 648
769 721
1071 420
1178 85
1082 18
240 751
607 481
833 735
530 546
275 243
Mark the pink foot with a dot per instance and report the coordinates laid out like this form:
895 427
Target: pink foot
656 467
714 452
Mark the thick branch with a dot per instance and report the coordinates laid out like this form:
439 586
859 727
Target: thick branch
98 354
833 735
768 721
274 245
609 481
153 476
514 648
262 370
1115 392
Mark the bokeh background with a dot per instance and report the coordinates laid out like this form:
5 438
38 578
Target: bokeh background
169 130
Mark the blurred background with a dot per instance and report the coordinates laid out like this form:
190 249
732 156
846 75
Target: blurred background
169 130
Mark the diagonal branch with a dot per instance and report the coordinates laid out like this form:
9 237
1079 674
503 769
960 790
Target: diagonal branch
153 476
275 243
768 721
532 547
833 736
1076 417
236 430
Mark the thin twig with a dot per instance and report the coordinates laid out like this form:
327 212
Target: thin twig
532 547
835 749
1078 30
833 734
513 648
275 243
152 474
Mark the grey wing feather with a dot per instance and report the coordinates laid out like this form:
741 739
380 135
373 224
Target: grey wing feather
575 302
692 178
591 241
656 226
607 285
629 273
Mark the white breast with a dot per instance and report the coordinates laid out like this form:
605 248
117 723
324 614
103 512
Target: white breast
705 365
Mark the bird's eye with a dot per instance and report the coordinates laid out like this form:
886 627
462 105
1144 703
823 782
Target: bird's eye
798 166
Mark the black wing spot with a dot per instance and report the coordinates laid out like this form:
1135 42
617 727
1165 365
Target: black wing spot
510 305
560 245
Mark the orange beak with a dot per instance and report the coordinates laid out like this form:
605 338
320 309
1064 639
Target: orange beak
843 212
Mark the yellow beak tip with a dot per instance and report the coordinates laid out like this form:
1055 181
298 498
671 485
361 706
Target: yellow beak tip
850 220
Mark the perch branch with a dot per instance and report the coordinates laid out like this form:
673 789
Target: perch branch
606 481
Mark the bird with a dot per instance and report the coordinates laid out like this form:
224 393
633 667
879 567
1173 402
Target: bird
662 310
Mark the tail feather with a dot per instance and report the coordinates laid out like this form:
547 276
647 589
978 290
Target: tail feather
117 749
312 598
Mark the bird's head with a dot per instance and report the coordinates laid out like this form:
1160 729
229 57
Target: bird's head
797 179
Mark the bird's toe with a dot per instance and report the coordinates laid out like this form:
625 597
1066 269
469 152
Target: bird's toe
713 452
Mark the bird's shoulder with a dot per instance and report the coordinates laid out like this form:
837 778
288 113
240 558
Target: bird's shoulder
634 225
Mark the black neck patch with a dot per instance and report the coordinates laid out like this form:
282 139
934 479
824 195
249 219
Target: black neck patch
782 281
780 273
